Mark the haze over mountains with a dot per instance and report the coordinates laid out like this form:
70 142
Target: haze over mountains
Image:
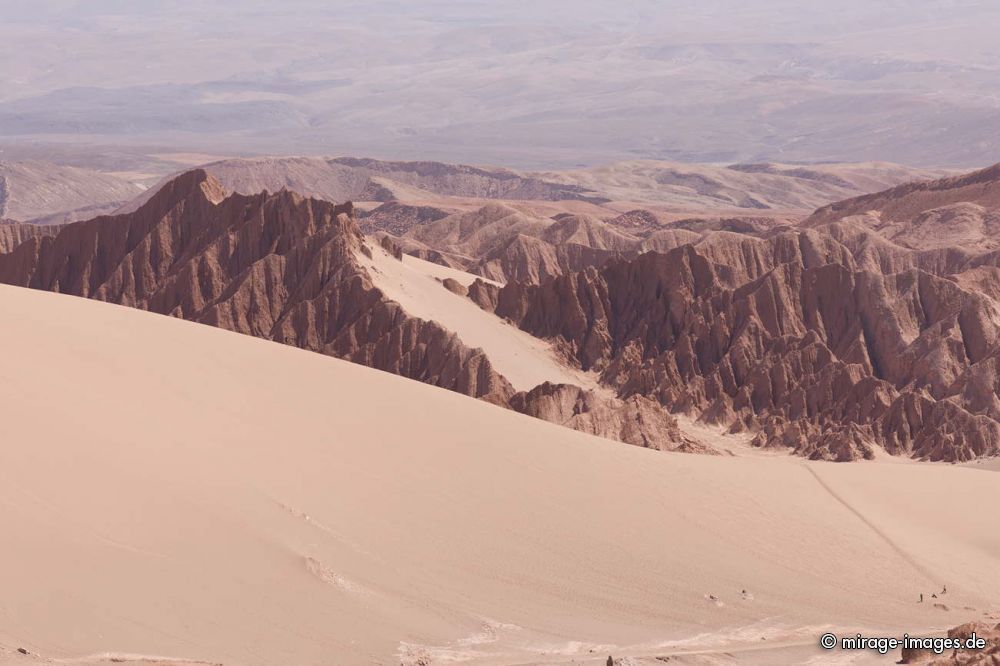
526 83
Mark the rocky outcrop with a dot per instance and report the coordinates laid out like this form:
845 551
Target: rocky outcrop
397 218
279 267
636 420
284 268
638 221
987 656
787 337
503 244
13 234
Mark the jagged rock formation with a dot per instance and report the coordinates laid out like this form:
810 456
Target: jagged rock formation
503 244
637 420
831 339
793 337
13 234
638 221
284 268
279 267
52 194
397 218
988 656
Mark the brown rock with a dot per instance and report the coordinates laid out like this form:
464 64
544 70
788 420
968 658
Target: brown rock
786 336
279 267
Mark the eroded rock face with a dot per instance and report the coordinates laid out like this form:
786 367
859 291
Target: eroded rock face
988 656
284 268
13 234
792 337
636 420
503 244
278 267
398 218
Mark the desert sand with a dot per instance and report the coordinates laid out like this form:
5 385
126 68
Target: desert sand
174 490
415 284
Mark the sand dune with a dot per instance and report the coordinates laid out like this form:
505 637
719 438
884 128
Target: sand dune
522 358
173 489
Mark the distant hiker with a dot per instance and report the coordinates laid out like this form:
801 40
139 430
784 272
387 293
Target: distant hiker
921 597
611 662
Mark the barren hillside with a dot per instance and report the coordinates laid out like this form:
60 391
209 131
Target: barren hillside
50 193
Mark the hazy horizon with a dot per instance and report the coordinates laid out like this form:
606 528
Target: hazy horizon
525 83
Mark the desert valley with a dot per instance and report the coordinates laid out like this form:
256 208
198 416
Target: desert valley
646 471
423 334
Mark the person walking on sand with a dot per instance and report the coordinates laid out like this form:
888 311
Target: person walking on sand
921 597
611 662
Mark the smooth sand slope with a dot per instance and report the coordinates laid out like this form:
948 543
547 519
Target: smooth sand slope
173 489
416 285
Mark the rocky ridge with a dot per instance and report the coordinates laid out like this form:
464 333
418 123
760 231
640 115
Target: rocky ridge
960 211
13 233
284 268
812 342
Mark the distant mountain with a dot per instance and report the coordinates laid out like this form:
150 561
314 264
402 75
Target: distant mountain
459 180
750 187
961 211
49 193
351 179
677 189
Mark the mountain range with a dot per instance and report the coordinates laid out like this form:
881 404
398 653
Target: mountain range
826 338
